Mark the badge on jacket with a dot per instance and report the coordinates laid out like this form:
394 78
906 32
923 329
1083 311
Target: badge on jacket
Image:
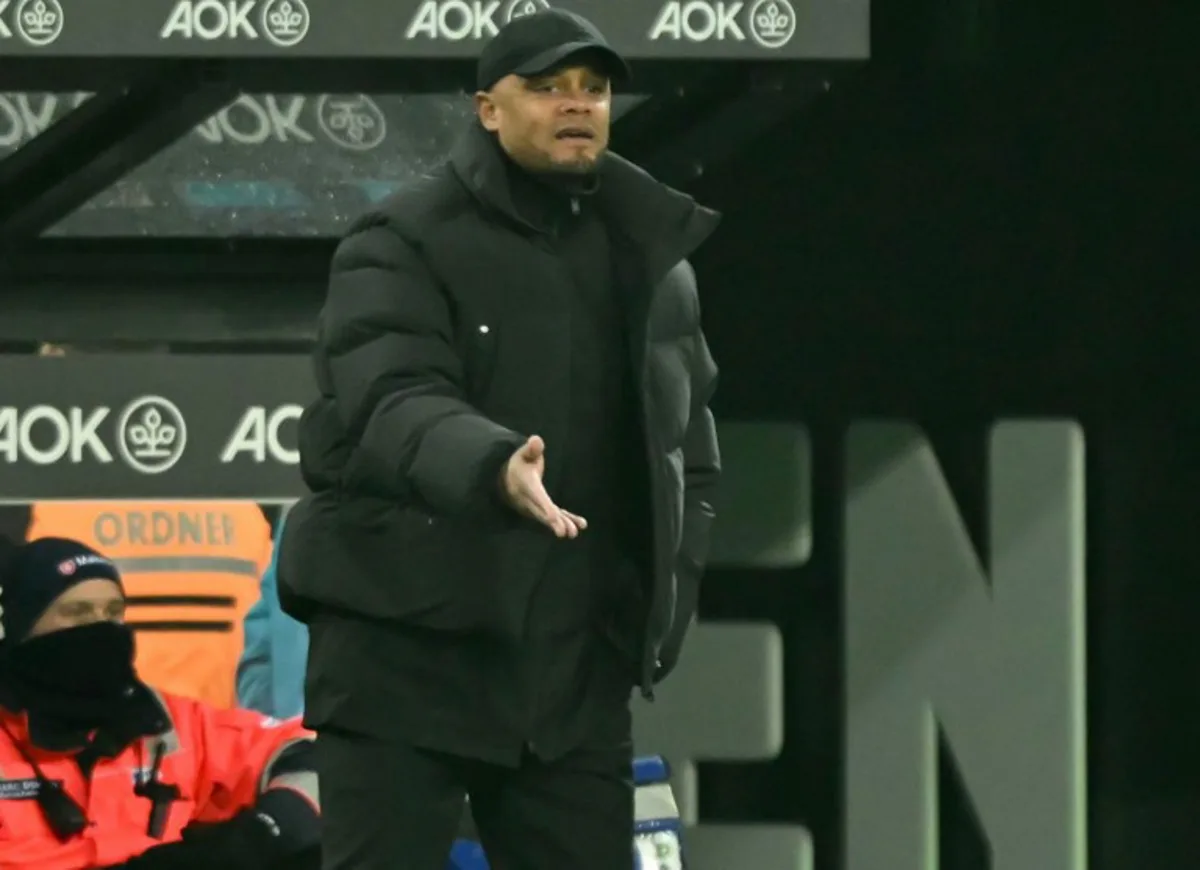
21 789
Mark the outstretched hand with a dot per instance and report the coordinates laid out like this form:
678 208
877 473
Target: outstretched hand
523 489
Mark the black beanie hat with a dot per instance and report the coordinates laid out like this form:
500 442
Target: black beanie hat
33 575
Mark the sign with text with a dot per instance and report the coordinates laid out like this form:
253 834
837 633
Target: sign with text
279 164
640 29
266 164
151 426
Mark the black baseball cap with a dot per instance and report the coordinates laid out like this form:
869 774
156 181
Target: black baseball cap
538 43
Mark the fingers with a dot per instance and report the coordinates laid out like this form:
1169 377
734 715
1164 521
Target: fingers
570 525
567 525
533 499
564 528
579 522
563 524
542 508
533 449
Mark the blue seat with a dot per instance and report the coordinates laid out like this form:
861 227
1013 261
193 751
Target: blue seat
656 838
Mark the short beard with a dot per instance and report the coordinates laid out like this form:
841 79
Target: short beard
582 166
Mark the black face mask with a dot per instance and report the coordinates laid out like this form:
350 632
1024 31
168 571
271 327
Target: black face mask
74 679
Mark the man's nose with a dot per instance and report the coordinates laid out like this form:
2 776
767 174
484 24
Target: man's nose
576 105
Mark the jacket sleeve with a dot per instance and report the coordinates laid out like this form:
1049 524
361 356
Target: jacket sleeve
254 683
236 755
702 470
387 334
702 461
270 673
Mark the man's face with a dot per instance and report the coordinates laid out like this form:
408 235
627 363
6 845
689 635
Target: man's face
557 122
84 603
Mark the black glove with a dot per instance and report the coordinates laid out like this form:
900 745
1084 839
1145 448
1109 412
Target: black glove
168 856
248 841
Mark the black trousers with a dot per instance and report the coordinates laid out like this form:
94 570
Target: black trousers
388 806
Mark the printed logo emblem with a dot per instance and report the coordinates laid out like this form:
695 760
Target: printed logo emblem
151 435
285 22
70 566
521 8
772 23
39 22
352 121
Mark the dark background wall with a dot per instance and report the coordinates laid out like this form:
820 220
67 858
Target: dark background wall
995 218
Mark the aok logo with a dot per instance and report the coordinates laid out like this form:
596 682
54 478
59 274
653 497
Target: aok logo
770 23
150 435
353 121
457 20
258 436
36 22
281 22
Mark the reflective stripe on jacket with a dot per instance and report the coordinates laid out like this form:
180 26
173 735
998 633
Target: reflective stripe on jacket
270 675
191 572
218 759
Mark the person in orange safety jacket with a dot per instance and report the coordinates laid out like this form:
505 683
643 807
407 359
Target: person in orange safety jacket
191 573
98 770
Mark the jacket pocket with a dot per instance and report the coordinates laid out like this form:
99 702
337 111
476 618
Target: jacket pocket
379 560
622 608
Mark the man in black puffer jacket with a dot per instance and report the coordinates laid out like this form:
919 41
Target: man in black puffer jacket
512 463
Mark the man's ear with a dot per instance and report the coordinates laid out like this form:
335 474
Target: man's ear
487 111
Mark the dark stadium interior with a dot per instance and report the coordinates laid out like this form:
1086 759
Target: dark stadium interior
992 218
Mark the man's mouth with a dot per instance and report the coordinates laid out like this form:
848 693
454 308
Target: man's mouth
575 134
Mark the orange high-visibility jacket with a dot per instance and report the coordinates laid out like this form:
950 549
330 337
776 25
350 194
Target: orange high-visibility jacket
219 760
191 571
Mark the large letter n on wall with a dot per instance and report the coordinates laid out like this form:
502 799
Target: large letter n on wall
996 661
